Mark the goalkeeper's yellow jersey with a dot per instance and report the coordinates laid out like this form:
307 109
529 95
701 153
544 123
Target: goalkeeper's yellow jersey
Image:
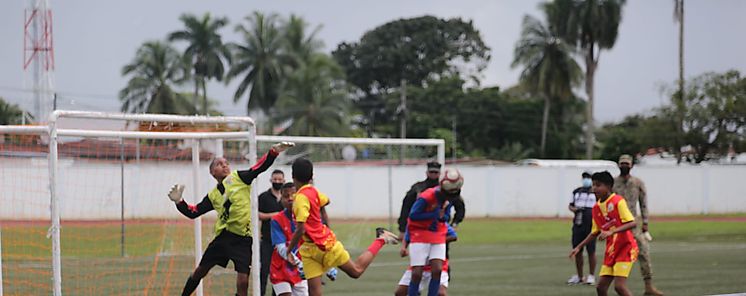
233 207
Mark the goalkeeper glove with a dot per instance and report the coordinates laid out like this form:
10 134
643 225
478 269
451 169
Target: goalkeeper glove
175 193
282 146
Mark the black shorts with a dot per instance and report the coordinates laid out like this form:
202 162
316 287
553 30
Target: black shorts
228 246
579 233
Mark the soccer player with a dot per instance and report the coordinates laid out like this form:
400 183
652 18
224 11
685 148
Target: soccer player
427 226
403 287
231 198
613 222
285 277
321 250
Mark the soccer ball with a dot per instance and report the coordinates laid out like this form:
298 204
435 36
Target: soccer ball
452 180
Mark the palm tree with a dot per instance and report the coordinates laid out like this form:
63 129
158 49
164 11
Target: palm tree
206 52
549 68
258 58
592 26
314 99
678 15
155 69
298 44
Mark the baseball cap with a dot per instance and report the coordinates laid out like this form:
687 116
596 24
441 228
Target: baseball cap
626 158
586 174
433 166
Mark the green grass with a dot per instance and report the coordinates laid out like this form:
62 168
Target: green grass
691 256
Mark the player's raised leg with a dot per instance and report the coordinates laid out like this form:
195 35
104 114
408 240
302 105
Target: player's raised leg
356 268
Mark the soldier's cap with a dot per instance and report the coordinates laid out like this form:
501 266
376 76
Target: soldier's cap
433 166
625 158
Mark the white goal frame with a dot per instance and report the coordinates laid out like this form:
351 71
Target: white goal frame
250 135
54 133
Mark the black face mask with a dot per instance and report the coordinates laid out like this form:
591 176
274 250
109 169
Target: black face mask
624 171
276 186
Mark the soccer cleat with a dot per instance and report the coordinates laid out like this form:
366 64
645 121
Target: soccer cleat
590 280
387 236
574 280
332 274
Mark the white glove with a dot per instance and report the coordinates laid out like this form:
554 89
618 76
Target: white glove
175 193
282 146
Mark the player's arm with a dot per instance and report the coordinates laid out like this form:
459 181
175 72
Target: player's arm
194 211
418 211
626 217
247 176
279 240
451 235
404 252
300 229
266 216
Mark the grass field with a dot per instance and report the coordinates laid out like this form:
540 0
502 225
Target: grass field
691 255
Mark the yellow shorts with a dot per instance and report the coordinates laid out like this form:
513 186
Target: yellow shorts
316 262
621 269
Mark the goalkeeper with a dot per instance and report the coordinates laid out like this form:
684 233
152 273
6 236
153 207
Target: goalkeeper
231 199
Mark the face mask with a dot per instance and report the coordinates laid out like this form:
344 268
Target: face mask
624 170
276 186
587 182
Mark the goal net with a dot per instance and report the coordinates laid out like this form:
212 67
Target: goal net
85 210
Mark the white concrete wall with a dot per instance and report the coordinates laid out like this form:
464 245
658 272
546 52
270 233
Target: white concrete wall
92 190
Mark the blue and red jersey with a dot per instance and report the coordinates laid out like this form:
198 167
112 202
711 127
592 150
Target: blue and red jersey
424 223
282 228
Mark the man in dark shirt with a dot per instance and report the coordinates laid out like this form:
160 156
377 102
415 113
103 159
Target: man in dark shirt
269 205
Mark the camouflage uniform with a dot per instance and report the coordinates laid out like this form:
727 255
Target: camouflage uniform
633 190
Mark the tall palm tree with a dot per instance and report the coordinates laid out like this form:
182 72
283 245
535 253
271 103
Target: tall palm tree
206 52
678 15
155 69
548 66
592 26
314 99
258 59
298 44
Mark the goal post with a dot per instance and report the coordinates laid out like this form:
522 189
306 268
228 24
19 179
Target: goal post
85 196
193 137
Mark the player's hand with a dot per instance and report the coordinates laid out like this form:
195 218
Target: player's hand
294 260
573 253
605 234
282 146
403 251
644 227
442 212
175 193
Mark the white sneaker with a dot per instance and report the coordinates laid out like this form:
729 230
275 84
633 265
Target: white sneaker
574 280
590 280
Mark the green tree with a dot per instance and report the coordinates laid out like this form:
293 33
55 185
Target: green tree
10 113
548 67
315 99
592 26
258 59
156 68
714 113
298 43
205 51
412 51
